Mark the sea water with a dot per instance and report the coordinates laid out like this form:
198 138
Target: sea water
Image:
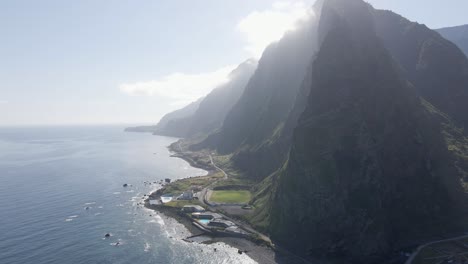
61 191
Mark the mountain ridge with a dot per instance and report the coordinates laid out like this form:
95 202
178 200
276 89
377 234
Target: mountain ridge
352 130
456 34
362 135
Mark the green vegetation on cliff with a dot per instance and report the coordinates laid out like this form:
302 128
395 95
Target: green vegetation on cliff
349 135
369 170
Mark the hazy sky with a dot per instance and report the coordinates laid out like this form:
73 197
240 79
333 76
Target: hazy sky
110 61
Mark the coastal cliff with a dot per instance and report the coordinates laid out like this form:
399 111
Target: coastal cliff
349 135
368 170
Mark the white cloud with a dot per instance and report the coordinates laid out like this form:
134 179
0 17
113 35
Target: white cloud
179 88
260 28
264 27
3 102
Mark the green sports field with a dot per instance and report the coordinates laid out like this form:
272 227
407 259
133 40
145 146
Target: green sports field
236 197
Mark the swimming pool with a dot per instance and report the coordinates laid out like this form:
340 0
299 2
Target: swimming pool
204 221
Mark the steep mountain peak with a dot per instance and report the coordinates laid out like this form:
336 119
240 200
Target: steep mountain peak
271 92
355 13
256 124
368 168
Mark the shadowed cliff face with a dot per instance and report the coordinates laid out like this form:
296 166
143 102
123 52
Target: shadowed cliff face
457 35
368 169
164 127
435 66
213 109
253 130
205 116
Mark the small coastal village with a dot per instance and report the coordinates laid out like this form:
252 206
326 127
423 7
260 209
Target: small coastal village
218 205
188 205
214 205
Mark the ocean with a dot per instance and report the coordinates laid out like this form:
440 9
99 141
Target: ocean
61 191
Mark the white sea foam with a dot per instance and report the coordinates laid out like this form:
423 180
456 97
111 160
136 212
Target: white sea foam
118 243
147 247
159 220
131 233
68 219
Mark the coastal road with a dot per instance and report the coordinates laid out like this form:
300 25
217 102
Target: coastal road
218 168
204 193
415 253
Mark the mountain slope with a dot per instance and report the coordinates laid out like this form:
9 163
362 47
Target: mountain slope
163 126
435 66
368 169
252 129
207 114
216 105
458 35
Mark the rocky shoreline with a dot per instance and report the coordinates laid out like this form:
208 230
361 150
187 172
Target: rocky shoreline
259 253
176 152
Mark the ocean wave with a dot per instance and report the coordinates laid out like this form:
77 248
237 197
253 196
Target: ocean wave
147 247
159 220
119 242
